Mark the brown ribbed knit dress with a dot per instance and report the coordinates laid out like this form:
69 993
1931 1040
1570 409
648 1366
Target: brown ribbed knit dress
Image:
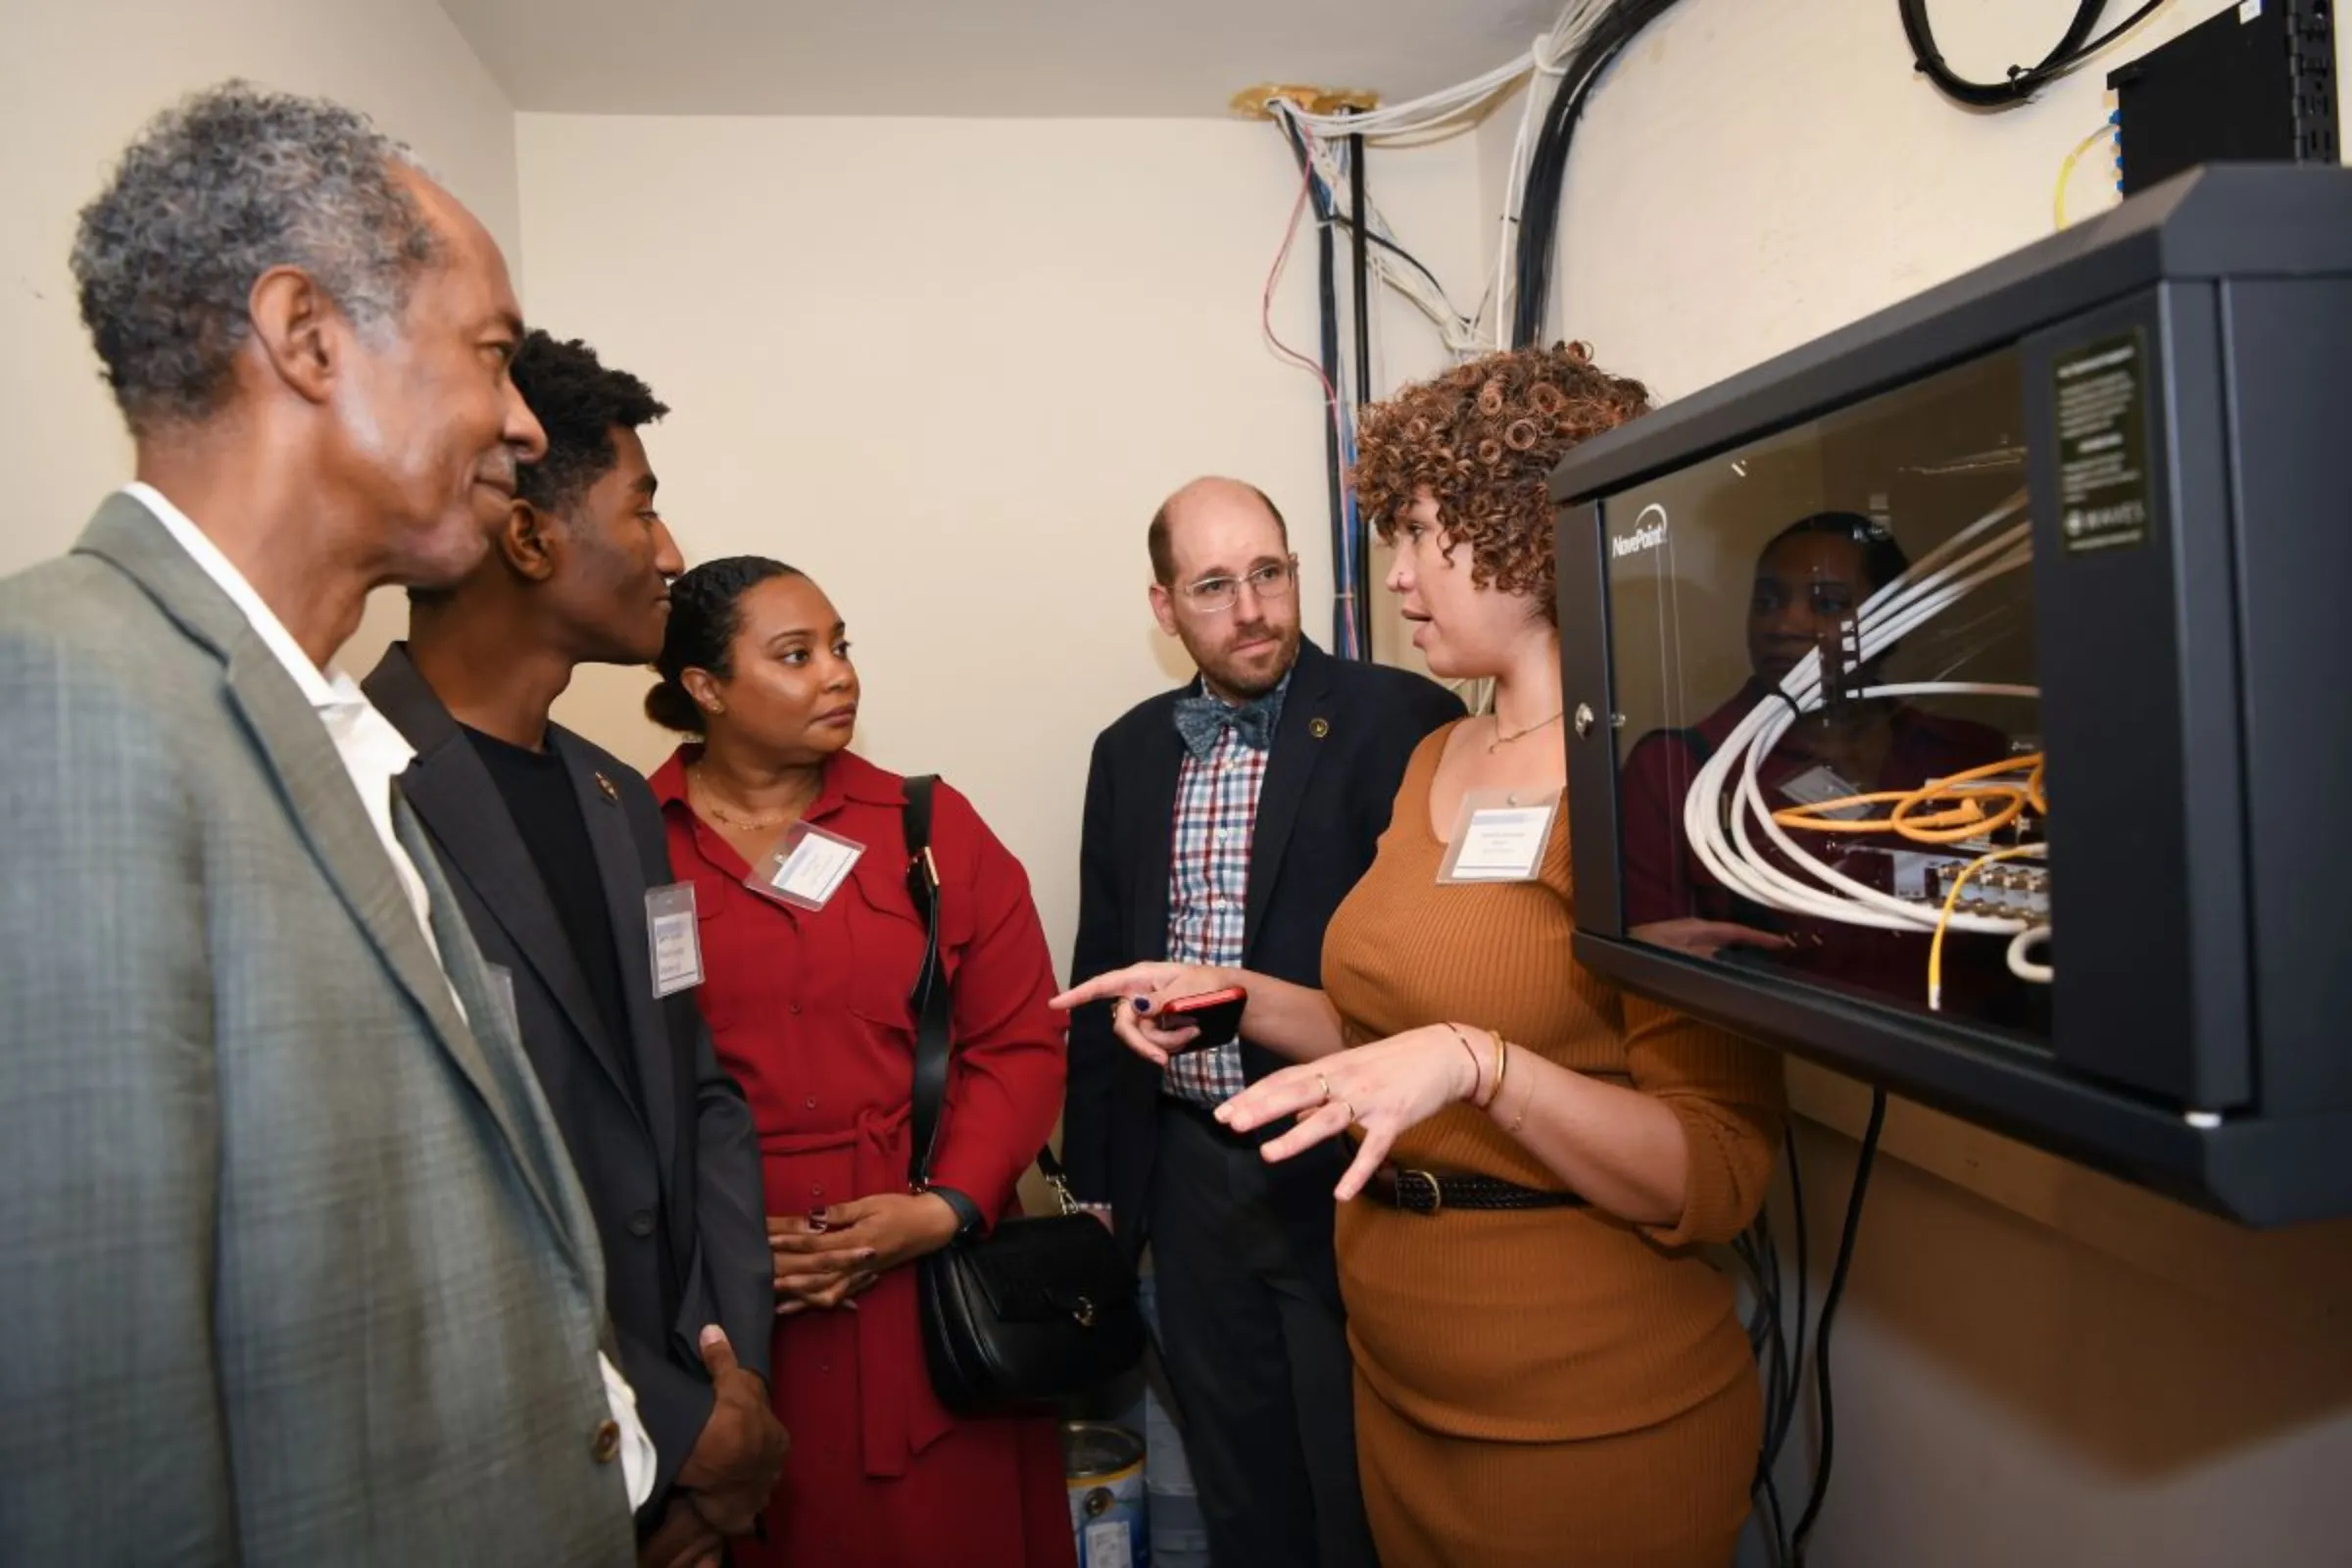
1553 1387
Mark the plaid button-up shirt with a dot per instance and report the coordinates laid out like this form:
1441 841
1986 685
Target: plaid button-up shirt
1208 884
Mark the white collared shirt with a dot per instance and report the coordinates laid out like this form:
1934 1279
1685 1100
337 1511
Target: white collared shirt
374 754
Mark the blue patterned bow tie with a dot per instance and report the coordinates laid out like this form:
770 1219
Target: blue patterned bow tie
1201 720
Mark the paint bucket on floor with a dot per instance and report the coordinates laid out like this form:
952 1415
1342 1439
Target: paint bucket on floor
1105 1467
1179 1535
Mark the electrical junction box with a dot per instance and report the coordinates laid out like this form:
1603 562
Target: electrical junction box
1961 700
2252 83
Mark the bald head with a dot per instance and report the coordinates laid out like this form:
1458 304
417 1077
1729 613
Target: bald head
1206 500
1228 587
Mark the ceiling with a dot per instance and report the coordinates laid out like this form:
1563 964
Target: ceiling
966 58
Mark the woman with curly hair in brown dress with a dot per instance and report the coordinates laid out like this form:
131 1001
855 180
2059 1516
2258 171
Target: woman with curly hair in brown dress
1547 1370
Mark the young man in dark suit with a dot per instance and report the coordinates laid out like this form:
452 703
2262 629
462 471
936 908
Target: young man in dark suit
1224 823
556 853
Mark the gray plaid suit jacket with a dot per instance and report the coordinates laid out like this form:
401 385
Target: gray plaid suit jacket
293 1266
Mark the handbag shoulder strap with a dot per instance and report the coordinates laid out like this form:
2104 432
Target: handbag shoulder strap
929 999
933 1005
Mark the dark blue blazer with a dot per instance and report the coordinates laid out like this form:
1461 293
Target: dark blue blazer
1347 732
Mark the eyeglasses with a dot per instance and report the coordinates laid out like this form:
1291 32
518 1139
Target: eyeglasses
1276 580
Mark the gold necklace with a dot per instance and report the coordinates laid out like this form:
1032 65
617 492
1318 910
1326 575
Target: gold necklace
1502 740
727 818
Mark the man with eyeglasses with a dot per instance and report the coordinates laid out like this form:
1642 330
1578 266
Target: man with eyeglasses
1224 823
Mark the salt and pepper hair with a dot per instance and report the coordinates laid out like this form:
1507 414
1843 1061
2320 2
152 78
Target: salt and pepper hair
217 190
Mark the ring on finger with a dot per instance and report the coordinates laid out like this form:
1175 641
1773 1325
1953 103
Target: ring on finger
1324 1084
1348 1106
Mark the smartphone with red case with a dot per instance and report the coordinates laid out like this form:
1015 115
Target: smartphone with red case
1218 1014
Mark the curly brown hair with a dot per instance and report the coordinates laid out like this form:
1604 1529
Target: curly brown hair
1483 439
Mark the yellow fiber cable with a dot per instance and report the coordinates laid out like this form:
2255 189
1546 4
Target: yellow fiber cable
1979 824
1961 817
2065 173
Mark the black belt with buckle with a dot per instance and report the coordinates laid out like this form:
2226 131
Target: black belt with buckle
1421 1192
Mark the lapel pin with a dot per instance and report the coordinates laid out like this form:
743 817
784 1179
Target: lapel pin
611 791
1318 727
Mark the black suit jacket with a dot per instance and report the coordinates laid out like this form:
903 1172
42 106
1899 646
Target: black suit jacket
675 1179
1339 752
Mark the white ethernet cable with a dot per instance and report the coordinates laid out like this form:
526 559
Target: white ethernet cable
2026 968
1933 584
1446 106
1457 331
1447 110
1861 905
1566 38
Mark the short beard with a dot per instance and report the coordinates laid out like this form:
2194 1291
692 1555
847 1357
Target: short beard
1251 686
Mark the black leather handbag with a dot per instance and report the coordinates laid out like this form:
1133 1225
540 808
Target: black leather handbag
1041 1309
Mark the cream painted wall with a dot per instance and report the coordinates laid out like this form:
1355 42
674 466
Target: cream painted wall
950 368
2037 1367
1754 175
75 83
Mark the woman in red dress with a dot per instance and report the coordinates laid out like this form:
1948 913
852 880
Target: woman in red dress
809 1009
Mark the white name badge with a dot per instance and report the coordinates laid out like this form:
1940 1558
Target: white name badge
676 938
808 866
1501 836
1822 783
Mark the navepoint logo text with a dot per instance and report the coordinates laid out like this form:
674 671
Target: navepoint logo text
1647 534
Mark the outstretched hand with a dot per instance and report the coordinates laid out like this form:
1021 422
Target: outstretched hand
1384 1087
1137 994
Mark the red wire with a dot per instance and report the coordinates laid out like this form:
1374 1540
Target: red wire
1265 315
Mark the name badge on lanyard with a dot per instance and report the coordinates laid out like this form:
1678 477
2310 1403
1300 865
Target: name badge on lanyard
1501 836
808 868
676 938
1819 785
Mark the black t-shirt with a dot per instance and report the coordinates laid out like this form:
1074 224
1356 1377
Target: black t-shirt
539 796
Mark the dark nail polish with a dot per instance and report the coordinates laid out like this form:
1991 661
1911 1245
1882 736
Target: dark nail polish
1143 1004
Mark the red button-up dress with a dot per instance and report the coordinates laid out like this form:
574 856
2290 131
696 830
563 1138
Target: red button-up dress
809 1013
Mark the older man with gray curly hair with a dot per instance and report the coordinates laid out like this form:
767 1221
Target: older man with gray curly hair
293 1266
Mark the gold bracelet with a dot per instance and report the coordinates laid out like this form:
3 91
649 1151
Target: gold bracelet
1525 1101
1476 1077
1502 1069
